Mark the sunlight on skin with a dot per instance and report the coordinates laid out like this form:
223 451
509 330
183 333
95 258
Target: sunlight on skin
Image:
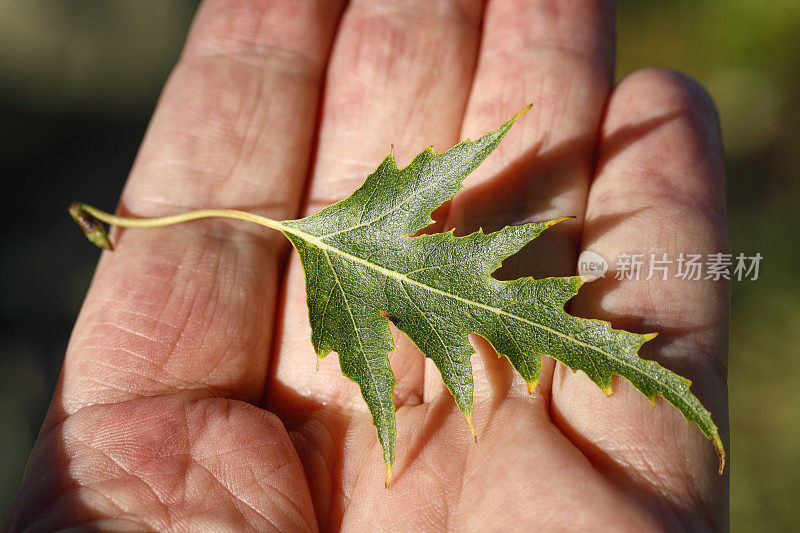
188 397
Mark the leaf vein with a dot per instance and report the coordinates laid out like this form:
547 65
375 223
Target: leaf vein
355 327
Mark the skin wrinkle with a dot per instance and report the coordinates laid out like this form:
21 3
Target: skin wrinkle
458 13
99 482
669 199
570 52
161 503
341 490
676 511
119 368
43 519
442 492
211 310
249 120
239 500
123 329
452 509
179 328
286 498
264 475
135 354
358 473
103 387
68 493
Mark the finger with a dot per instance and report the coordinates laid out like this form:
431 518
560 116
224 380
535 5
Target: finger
659 189
191 306
559 56
399 75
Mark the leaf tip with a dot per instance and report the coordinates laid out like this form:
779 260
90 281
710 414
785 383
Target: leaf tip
472 427
531 385
557 220
388 479
649 336
720 453
522 111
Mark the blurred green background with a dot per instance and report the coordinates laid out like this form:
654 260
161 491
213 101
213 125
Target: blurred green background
78 82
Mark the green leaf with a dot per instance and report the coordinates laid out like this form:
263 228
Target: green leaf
364 267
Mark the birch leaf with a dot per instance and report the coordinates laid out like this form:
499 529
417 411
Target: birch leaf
364 267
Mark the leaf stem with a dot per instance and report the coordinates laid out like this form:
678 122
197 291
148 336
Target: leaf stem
87 216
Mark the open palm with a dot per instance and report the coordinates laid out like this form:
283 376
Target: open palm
188 398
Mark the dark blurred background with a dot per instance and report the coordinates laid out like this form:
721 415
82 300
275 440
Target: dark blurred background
78 82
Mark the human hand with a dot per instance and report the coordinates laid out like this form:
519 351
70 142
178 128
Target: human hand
188 397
